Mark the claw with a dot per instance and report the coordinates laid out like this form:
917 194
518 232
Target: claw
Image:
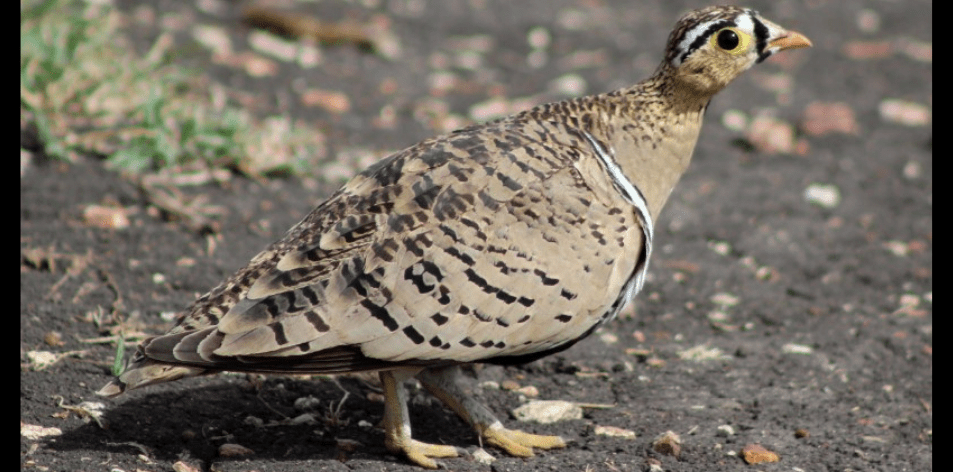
444 384
397 433
519 443
421 453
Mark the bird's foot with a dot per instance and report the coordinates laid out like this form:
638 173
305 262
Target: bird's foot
519 443
422 453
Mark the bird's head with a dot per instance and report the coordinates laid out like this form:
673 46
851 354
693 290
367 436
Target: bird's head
710 47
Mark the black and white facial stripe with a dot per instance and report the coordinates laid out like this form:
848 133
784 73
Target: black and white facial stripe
632 194
697 37
747 22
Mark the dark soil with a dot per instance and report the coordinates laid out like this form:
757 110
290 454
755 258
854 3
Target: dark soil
831 280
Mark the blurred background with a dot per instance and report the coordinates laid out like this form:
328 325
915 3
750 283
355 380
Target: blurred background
164 143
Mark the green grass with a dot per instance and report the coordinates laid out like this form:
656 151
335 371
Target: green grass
119 359
86 91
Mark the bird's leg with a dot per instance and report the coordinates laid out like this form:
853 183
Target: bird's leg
444 384
397 434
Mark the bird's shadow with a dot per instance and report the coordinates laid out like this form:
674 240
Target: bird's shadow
197 420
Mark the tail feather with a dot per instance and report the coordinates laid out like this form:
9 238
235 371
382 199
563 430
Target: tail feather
143 371
190 353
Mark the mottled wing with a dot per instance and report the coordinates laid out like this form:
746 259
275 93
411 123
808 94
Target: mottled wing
502 240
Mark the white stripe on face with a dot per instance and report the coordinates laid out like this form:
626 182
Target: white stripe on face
743 22
690 37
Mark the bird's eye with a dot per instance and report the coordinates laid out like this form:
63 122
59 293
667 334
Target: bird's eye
730 40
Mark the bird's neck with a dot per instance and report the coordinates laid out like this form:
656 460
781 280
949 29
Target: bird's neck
652 129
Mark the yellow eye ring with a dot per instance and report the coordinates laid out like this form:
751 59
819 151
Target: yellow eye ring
730 40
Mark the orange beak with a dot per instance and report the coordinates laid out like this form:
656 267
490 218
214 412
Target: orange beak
791 40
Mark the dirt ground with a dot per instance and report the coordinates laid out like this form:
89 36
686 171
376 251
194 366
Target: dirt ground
766 319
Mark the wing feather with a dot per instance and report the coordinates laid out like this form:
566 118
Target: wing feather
472 246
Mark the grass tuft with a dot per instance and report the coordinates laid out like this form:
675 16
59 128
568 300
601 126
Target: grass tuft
85 91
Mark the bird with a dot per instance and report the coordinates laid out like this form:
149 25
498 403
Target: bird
501 243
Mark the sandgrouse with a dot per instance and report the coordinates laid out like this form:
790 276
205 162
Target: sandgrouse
502 242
